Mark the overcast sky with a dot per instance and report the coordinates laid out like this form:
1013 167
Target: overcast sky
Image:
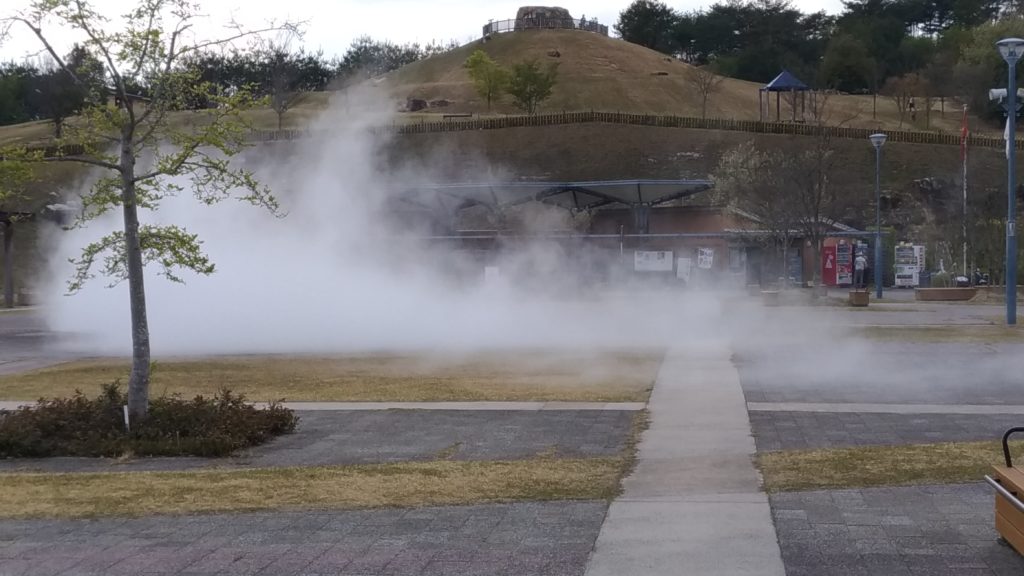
333 24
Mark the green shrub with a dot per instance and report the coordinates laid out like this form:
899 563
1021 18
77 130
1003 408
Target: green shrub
80 426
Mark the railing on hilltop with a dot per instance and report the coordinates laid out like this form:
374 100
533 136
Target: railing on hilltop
565 118
543 23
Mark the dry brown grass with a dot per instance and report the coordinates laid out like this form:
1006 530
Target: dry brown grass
595 73
946 333
600 73
301 116
860 467
369 486
524 376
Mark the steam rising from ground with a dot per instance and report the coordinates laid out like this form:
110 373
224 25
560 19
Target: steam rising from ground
333 275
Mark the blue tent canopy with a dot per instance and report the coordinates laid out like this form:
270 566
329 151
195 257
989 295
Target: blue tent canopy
785 82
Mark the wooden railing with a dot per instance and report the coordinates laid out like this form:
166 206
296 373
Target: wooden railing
621 118
567 118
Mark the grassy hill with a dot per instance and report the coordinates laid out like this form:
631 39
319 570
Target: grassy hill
601 73
596 73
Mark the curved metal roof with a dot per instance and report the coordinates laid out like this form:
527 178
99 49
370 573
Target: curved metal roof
571 195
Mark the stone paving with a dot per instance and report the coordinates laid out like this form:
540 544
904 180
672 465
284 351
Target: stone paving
907 531
529 539
804 430
367 437
884 372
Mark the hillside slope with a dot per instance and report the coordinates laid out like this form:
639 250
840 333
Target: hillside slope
601 73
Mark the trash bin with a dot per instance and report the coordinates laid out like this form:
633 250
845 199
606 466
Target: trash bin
924 279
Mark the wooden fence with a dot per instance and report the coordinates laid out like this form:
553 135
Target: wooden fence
567 118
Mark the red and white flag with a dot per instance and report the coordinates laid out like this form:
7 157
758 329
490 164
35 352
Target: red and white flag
964 133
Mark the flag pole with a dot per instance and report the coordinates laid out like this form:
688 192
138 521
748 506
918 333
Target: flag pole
964 133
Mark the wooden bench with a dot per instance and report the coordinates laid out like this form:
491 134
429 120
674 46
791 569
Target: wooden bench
1008 482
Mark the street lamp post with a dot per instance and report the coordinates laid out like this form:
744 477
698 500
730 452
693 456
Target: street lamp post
877 140
1010 49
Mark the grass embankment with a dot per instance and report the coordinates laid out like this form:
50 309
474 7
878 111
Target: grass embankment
862 467
532 376
369 486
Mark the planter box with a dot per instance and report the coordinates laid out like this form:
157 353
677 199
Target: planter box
944 294
770 297
859 298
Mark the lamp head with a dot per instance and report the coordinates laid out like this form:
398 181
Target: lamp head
877 140
1010 49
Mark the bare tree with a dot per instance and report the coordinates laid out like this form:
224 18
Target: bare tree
811 168
794 190
901 92
139 150
928 95
284 77
748 180
707 83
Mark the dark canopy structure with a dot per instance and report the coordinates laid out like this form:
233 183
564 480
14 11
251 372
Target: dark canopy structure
639 195
786 83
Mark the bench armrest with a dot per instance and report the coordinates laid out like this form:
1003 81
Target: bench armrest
1006 444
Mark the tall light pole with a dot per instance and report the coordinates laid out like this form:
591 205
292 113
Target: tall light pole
1010 48
877 140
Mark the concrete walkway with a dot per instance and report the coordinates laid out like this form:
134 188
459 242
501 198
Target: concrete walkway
473 406
694 504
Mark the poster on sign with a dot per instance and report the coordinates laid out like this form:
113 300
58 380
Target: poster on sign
683 267
705 258
652 261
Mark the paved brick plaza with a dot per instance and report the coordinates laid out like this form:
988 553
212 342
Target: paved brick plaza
907 531
528 539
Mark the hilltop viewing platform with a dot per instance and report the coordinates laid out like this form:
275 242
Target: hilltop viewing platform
544 18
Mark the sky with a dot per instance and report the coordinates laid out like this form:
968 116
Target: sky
331 25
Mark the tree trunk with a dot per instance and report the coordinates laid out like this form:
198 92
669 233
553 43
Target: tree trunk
280 119
58 127
138 382
8 227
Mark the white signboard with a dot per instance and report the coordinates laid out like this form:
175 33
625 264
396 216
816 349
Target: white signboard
652 261
491 274
683 267
705 258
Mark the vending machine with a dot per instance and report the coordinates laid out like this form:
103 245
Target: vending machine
909 262
844 263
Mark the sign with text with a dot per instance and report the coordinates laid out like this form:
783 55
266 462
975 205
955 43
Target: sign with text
652 261
705 258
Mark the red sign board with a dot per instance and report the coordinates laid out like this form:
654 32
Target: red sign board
828 265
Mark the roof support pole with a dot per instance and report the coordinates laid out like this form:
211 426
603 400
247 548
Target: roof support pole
641 218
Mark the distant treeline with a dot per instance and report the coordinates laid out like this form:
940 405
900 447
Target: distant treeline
929 48
41 91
